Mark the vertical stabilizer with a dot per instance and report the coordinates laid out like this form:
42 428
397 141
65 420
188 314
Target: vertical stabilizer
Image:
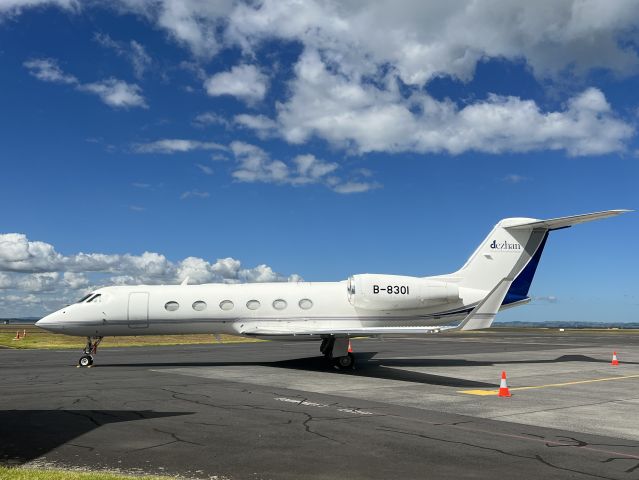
503 254
512 251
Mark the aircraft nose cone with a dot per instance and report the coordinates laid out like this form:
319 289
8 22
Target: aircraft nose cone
51 322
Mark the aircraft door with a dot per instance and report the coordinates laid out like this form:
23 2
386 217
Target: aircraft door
138 311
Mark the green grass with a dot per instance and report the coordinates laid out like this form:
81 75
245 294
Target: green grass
41 339
34 474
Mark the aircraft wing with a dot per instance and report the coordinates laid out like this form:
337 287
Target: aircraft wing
563 222
347 332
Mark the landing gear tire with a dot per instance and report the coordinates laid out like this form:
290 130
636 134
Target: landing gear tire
85 361
347 362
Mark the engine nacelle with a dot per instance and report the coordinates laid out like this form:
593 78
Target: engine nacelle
397 292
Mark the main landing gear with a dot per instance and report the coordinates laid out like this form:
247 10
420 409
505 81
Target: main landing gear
86 360
337 352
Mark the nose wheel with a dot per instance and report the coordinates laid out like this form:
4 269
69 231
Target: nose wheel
85 361
91 348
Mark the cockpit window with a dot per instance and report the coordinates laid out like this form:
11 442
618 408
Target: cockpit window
84 298
96 299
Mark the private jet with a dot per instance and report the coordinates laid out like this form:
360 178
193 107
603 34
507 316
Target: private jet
497 276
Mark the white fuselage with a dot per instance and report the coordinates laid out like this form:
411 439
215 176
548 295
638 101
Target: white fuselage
237 309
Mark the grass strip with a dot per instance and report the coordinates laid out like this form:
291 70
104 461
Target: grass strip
37 338
19 473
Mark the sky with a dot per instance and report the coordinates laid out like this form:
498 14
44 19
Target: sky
146 141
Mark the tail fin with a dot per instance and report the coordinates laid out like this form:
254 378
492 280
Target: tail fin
512 251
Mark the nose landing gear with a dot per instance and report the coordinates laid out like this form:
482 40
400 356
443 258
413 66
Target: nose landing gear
86 360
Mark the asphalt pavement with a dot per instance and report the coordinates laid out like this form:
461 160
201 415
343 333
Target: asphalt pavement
412 408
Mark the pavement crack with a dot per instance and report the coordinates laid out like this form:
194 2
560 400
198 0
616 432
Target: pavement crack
308 429
85 415
209 424
568 407
496 450
630 470
82 446
175 439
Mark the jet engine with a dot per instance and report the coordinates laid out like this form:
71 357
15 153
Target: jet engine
396 292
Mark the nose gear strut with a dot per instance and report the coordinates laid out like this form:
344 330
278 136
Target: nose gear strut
91 348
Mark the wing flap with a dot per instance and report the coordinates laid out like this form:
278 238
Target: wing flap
350 332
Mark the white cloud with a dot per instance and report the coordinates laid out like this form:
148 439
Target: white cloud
364 117
310 169
134 52
194 194
75 281
140 60
176 145
9 8
205 169
423 40
48 70
420 40
356 187
545 299
243 81
255 165
261 124
36 268
346 85
191 22
115 93
514 178
206 119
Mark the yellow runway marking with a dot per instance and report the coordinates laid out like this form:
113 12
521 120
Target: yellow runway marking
494 392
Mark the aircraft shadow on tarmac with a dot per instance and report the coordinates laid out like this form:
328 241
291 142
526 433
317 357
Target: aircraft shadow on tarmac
29 434
370 367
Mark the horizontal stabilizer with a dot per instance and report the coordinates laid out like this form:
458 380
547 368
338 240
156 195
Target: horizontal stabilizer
483 314
563 222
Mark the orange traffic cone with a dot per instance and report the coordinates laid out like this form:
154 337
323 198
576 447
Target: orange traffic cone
615 361
503 386
17 337
24 333
350 349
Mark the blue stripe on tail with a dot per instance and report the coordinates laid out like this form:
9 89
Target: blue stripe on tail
518 291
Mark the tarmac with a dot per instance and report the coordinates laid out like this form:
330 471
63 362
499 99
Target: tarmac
412 408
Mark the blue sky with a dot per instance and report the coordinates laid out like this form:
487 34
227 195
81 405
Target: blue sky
236 142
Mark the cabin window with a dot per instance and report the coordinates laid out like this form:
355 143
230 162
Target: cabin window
171 306
305 303
279 304
226 305
253 304
199 306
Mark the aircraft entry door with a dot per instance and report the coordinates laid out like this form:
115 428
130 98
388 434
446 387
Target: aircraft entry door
138 310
